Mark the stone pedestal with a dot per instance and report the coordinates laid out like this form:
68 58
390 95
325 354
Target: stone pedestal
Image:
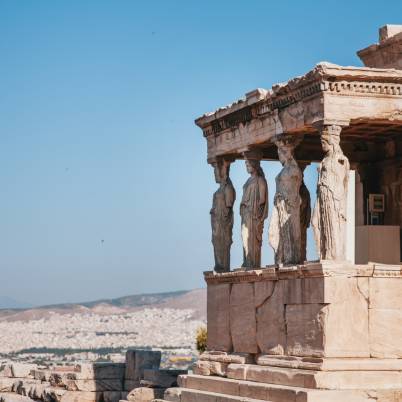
318 332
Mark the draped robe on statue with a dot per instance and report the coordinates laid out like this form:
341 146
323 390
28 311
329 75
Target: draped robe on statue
329 217
222 225
284 230
253 215
305 216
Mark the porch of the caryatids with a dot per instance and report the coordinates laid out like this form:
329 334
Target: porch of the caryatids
222 215
253 211
284 229
329 216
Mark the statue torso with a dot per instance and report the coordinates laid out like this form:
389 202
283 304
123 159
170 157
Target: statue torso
288 183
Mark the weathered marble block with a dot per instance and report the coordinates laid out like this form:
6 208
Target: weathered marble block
161 378
243 326
328 330
99 371
386 333
138 360
386 293
270 316
89 385
218 301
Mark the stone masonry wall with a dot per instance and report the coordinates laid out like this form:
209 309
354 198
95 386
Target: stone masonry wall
97 382
337 315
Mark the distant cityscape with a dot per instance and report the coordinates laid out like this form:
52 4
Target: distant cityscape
104 331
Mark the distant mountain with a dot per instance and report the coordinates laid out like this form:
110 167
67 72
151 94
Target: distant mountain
140 300
8 302
194 300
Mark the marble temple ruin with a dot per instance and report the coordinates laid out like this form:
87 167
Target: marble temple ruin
309 331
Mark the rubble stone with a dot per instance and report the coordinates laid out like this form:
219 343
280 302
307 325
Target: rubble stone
17 370
144 394
172 394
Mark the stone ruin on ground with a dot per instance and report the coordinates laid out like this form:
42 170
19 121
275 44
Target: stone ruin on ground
139 379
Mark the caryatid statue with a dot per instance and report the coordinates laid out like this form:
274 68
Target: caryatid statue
253 212
222 215
329 216
305 214
284 230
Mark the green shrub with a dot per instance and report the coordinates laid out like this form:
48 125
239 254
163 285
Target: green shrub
201 339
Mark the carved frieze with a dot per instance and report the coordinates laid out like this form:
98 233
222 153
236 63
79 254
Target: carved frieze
306 270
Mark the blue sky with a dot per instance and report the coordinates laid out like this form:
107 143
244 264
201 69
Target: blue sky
105 186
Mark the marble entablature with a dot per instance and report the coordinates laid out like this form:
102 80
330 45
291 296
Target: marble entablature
328 94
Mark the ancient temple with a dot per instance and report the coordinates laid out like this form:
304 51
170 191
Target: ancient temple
309 331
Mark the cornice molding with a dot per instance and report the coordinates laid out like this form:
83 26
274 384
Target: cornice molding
307 270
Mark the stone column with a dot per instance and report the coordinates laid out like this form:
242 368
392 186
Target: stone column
359 197
305 212
284 229
253 211
329 216
351 218
222 215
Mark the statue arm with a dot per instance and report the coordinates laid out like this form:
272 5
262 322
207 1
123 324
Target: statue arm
263 193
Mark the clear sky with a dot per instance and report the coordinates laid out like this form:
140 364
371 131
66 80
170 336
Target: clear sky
105 189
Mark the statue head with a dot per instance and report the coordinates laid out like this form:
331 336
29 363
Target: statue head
221 170
254 168
285 154
330 139
286 145
252 159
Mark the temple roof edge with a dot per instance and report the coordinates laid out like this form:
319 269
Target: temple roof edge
323 71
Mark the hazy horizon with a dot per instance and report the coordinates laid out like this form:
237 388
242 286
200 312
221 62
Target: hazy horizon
11 303
106 188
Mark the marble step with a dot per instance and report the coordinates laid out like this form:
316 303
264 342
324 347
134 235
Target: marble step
358 379
194 395
243 389
271 392
328 364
